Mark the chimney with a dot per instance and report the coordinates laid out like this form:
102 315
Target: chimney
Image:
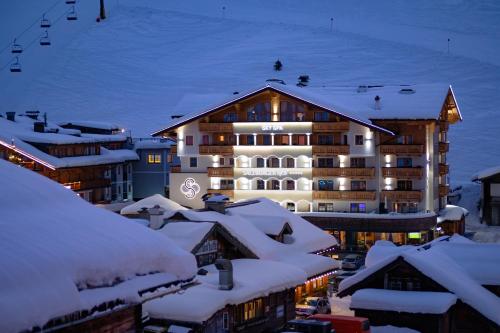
378 105
11 115
156 217
39 126
216 202
32 114
225 268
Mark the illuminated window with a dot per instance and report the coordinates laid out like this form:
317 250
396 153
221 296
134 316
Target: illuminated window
325 207
189 140
253 309
154 158
358 140
358 208
221 138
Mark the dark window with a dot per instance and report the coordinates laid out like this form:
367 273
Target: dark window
345 141
227 184
321 116
266 140
260 184
404 185
325 185
290 206
299 140
230 117
325 139
405 139
357 162
273 184
291 112
358 139
250 140
260 162
358 185
324 162
221 161
325 207
358 208
404 162
273 162
225 320
231 161
193 162
189 140
289 185
290 162
259 112
205 139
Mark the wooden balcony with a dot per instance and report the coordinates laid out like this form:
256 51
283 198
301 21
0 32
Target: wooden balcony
444 190
342 126
216 127
402 149
220 172
344 195
402 172
89 184
216 150
397 195
444 126
444 168
173 149
175 169
344 172
444 147
329 150
227 193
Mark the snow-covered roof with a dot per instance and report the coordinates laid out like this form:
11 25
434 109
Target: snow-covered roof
186 234
151 143
425 103
253 278
151 201
486 173
61 254
271 225
91 124
403 301
452 213
389 216
468 266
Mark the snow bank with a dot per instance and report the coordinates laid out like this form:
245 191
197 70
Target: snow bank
149 202
391 329
55 246
403 301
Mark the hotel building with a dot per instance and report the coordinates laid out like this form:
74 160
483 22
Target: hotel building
322 153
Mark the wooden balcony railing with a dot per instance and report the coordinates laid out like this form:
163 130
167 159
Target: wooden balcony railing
173 149
175 169
402 149
402 172
399 195
216 127
328 150
444 147
88 184
344 172
216 150
443 126
344 195
444 190
220 172
444 168
342 126
227 193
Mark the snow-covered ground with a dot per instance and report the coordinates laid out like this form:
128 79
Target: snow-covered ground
133 68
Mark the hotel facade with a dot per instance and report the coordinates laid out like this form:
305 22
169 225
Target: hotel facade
319 153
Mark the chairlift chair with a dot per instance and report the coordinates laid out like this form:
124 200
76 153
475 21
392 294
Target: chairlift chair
72 15
45 40
44 23
16 66
16 48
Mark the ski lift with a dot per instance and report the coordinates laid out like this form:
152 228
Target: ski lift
45 40
70 2
44 23
16 48
16 67
72 14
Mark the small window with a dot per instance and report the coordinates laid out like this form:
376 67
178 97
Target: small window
358 162
321 116
345 141
231 161
260 162
358 185
324 139
358 139
153 159
290 162
405 139
289 185
260 184
230 117
250 140
290 206
189 140
221 161
193 162
325 207
266 140
404 185
404 162
324 162
225 321
206 139
358 208
325 185
273 162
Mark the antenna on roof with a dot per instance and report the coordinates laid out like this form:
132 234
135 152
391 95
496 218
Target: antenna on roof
377 103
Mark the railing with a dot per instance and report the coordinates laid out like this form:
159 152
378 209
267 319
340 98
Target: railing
175 169
330 150
444 126
88 184
216 150
444 168
342 126
402 149
400 195
227 193
444 190
415 172
216 127
344 172
220 172
444 147
344 195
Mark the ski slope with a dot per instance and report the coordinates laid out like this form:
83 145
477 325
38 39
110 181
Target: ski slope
134 67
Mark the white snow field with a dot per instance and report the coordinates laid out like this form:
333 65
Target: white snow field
134 67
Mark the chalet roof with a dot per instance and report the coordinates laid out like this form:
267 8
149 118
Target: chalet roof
151 201
460 266
486 173
61 254
426 103
187 234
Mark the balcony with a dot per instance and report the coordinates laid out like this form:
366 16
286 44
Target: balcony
216 127
216 150
344 172
444 126
227 193
402 149
415 172
402 195
444 147
344 195
220 172
329 150
88 184
173 149
175 169
342 126
444 168
444 190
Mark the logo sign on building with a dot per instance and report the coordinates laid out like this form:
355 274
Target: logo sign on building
190 188
272 127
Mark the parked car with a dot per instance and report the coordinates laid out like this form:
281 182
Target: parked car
353 261
345 324
308 326
312 305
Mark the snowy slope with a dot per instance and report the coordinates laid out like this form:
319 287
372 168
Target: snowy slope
133 68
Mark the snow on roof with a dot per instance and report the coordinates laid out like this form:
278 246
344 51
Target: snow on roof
55 246
452 213
217 198
186 234
403 301
253 278
383 249
486 173
149 202
389 216
91 124
271 225
151 143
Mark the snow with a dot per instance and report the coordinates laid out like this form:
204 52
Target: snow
252 279
389 216
391 329
92 124
403 301
486 173
271 225
61 254
178 329
218 198
186 234
151 143
149 202
452 213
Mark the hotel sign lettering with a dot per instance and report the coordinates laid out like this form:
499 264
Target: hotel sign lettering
272 172
272 127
